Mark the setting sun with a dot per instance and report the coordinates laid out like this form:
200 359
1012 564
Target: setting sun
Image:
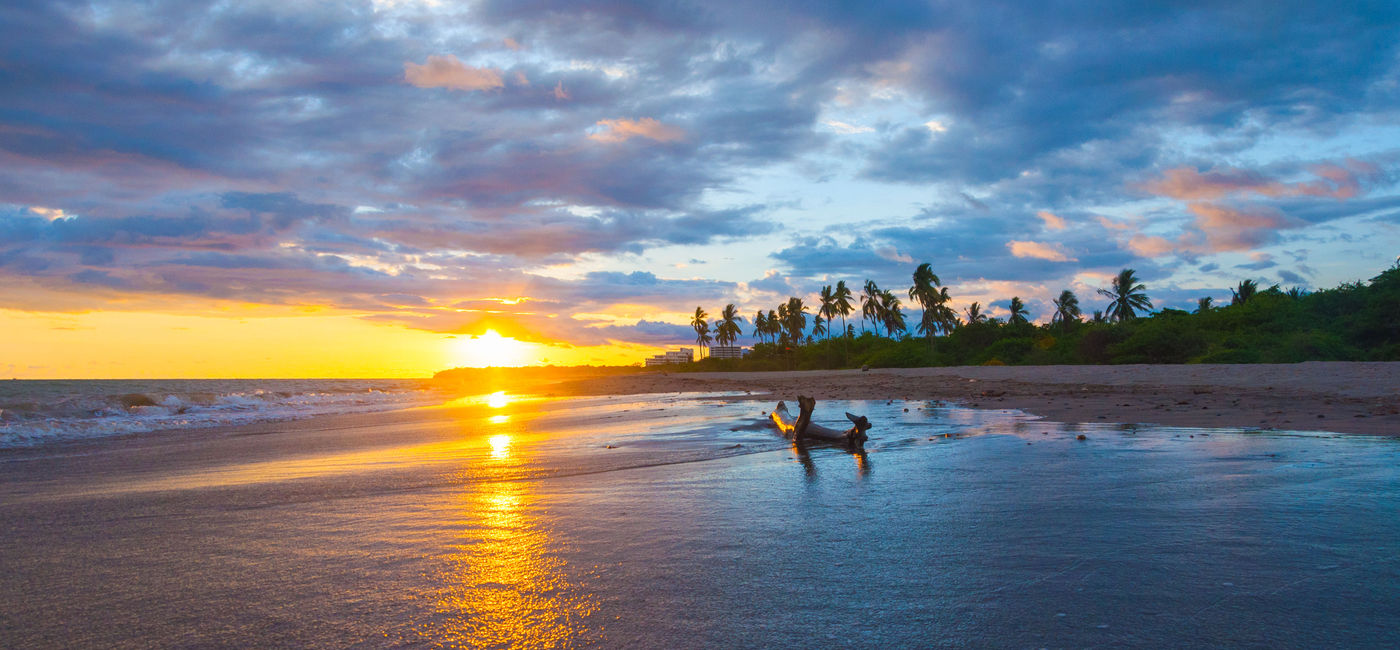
497 399
492 349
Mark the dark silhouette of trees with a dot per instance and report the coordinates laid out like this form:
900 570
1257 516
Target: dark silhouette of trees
870 306
1066 309
702 329
1019 315
1244 292
1127 297
842 297
728 330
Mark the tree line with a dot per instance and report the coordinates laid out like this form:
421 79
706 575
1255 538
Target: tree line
1354 321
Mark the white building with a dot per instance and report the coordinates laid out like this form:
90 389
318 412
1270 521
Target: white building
726 352
679 355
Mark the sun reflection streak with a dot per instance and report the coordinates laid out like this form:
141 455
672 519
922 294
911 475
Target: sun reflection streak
504 584
500 445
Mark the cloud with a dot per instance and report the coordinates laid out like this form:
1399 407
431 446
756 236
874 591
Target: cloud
446 71
848 129
233 169
1052 222
623 129
1342 180
1039 250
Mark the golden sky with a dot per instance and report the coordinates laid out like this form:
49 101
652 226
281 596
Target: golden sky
116 344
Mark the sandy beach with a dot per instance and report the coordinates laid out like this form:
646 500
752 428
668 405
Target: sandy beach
633 516
1345 397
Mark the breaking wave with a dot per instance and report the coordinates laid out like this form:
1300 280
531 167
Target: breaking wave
39 412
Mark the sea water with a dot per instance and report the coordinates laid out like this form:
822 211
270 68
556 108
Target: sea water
34 412
685 521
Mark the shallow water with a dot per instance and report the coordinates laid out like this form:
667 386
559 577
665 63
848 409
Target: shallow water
683 521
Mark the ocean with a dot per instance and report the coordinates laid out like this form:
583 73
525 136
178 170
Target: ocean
46 411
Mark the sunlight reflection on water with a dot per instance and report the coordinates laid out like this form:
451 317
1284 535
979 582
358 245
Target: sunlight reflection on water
502 582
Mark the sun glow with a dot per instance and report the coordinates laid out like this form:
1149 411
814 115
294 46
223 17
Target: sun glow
497 399
491 349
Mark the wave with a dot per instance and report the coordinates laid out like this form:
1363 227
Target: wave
39 412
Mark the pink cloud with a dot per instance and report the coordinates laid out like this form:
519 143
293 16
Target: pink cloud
1052 221
1187 184
559 92
1230 229
1341 181
1113 225
1151 246
1217 229
1039 250
623 129
1335 180
447 71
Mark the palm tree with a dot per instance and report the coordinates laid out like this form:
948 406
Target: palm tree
1204 304
946 317
818 325
1018 312
1066 309
702 339
975 315
828 305
782 329
1244 293
870 306
1126 297
925 293
775 324
702 329
795 320
760 325
1098 317
890 315
728 329
842 296
1297 292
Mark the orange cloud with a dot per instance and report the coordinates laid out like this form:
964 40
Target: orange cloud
1151 246
1187 184
1336 180
1230 229
447 71
1217 229
1052 221
1341 181
623 129
1113 225
1039 250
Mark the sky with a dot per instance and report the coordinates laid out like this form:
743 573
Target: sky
390 188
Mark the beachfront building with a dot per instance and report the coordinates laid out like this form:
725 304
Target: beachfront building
726 352
679 355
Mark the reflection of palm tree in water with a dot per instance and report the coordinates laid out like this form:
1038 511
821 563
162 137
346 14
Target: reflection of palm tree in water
502 583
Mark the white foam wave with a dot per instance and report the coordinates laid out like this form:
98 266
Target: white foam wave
89 418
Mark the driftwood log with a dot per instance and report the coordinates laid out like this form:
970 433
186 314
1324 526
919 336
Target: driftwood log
801 428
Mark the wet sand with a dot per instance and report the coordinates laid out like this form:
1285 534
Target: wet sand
643 517
684 521
1347 397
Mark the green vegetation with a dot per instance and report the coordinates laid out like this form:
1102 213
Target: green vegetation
1353 322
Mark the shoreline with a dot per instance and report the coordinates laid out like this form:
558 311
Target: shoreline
1341 397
